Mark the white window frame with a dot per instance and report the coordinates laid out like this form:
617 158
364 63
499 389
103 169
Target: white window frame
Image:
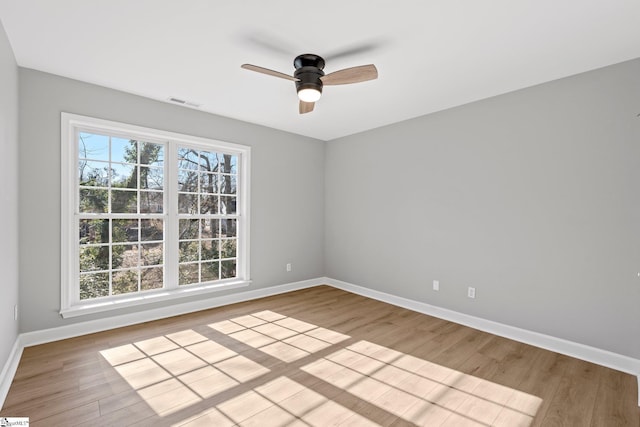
70 304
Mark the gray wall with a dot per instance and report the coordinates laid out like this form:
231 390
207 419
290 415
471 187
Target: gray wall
286 194
8 197
532 197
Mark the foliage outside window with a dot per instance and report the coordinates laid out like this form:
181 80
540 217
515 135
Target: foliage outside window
146 212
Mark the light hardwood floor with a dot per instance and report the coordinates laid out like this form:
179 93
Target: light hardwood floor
314 357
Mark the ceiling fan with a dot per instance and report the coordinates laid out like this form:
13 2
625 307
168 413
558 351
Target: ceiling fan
310 78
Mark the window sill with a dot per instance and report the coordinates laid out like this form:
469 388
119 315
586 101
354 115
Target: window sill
147 298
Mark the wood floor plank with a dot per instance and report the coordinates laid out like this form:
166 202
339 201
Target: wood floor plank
617 393
319 356
70 417
575 396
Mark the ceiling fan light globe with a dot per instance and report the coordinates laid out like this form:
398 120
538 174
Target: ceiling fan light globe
309 95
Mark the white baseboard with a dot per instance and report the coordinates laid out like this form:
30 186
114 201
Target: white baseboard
28 339
92 326
580 351
9 369
558 345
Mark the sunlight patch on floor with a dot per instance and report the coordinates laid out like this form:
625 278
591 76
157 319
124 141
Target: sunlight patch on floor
365 381
175 371
420 391
282 337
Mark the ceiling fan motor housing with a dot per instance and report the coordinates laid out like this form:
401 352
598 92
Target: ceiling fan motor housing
308 72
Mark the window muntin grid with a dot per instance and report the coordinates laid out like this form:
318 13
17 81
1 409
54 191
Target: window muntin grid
120 215
207 211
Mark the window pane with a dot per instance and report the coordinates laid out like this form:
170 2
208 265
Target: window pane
93 200
151 178
210 228
94 231
208 250
92 146
151 154
228 205
188 229
228 184
124 230
187 203
188 274
228 269
151 202
125 282
123 201
94 258
228 228
188 251
124 176
208 161
124 256
187 159
151 254
151 278
188 181
209 183
230 164
124 150
152 229
209 271
93 174
94 285
208 204
228 248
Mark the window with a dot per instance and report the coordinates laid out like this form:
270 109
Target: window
149 215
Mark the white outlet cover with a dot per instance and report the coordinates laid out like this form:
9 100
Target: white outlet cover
436 285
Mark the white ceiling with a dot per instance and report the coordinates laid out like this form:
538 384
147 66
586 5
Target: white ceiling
431 54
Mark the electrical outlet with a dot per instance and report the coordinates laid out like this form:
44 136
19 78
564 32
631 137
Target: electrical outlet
436 285
15 312
288 266
471 292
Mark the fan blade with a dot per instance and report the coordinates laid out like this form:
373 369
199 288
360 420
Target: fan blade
354 49
269 41
269 72
306 107
351 75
